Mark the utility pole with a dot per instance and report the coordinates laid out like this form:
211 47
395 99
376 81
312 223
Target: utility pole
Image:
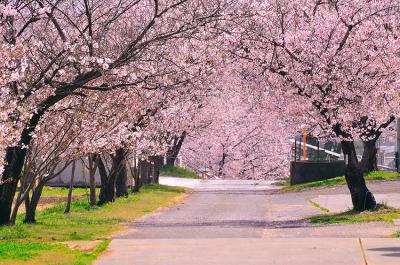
304 144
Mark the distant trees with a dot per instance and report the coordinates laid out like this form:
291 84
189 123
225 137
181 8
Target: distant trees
239 138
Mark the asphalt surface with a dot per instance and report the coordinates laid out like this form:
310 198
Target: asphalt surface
250 222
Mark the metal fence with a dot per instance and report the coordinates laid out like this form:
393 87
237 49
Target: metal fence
311 148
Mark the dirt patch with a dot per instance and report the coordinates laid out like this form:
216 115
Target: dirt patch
82 245
48 202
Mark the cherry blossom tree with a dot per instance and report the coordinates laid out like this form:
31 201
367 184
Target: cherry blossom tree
54 50
336 59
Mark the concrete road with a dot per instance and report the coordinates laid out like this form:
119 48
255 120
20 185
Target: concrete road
247 222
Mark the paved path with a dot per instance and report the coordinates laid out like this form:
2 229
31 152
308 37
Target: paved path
248 222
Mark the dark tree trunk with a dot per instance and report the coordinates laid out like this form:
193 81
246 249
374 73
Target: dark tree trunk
161 161
361 197
155 168
148 172
14 160
71 187
173 150
122 179
145 168
108 183
221 164
33 203
170 158
107 189
369 160
93 163
138 183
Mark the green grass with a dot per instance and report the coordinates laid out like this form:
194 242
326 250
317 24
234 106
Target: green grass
178 172
21 251
40 243
383 213
382 175
372 176
322 183
319 206
283 182
63 192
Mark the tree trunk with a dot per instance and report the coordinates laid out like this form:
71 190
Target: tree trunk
122 177
369 160
108 183
361 197
145 171
93 163
71 187
170 159
107 189
26 186
34 201
136 177
16 207
173 150
156 168
221 163
14 160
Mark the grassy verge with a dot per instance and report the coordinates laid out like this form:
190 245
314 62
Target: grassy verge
319 206
383 213
283 182
46 242
322 183
63 192
178 172
372 176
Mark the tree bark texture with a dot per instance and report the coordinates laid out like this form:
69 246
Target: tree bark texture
122 179
361 197
144 167
369 160
108 181
93 164
173 150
